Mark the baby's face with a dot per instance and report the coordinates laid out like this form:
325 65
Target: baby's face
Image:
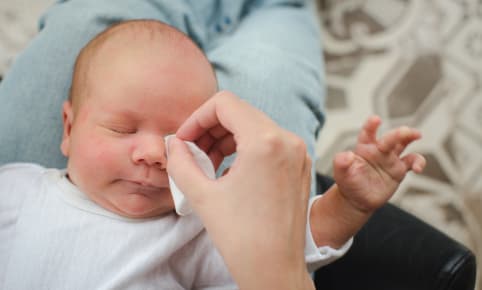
115 146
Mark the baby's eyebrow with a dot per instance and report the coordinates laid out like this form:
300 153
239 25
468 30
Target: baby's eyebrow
122 115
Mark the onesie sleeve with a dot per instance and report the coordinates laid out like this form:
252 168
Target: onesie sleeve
317 257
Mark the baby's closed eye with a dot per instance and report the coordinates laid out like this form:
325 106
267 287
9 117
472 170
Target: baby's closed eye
120 130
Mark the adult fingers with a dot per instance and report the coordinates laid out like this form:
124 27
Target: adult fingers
222 148
226 110
183 169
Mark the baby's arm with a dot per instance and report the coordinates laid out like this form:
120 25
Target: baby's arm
365 179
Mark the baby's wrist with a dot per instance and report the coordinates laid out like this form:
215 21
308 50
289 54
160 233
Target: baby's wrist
334 220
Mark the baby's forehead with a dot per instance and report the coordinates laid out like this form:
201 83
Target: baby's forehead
144 34
158 43
140 41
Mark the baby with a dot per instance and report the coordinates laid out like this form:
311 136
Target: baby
108 220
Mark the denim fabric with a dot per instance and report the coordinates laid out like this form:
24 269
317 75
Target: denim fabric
266 52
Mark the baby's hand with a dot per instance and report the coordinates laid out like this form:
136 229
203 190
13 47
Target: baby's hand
368 176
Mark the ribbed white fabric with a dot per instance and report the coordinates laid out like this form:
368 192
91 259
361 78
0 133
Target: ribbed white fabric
54 237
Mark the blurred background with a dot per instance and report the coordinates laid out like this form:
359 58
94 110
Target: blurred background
413 62
418 63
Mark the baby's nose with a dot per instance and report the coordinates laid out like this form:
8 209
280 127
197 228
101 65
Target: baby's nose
151 151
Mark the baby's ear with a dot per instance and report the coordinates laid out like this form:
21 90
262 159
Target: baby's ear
68 118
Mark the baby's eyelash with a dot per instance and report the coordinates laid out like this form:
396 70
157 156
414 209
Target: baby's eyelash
123 131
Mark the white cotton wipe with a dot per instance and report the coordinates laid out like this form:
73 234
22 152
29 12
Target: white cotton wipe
180 202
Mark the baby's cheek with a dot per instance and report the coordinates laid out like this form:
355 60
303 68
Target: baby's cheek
114 156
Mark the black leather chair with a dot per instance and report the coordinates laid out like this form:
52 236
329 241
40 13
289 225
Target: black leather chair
396 251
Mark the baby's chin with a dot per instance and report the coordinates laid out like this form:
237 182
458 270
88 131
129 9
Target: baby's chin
139 206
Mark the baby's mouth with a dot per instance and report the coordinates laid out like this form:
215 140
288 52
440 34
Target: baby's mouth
146 186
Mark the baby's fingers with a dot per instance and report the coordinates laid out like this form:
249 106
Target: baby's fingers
368 134
415 162
398 139
342 162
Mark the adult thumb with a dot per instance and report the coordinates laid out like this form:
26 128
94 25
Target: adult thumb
184 170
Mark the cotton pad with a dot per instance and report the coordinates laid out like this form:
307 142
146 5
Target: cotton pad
180 202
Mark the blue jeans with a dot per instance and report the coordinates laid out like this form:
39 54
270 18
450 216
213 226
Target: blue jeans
266 52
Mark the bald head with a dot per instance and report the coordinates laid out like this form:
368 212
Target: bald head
130 40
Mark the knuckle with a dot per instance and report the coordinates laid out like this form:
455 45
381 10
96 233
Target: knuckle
222 93
282 143
270 143
223 96
297 145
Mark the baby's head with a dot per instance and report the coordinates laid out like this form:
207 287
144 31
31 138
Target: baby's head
133 84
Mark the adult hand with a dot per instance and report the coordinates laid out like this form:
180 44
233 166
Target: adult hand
256 213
